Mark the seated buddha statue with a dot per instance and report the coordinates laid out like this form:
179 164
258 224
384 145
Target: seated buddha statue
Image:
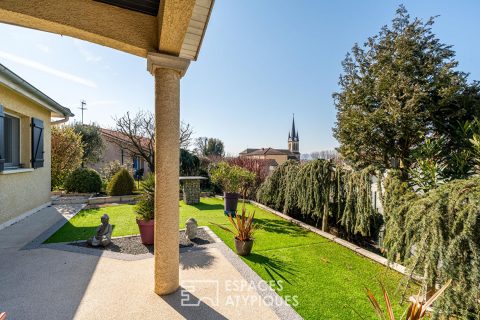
103 236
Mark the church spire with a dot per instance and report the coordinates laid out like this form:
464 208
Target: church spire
293 140
293 134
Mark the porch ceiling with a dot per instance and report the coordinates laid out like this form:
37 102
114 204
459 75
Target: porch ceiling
174 27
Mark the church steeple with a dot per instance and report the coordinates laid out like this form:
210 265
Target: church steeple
293 128
293 140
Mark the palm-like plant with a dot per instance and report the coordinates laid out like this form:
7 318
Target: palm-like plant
417 309
242 224
145 207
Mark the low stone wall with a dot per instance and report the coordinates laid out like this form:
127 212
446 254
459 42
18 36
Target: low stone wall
89 199
114 199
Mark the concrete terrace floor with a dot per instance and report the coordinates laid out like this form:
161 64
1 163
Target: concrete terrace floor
37 282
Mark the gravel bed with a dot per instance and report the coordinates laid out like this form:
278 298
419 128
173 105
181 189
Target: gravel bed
133 244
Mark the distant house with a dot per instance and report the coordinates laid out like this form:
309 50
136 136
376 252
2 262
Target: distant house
118 147
26 117
277 156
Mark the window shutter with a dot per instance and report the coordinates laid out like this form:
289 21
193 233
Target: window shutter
37 143
2 139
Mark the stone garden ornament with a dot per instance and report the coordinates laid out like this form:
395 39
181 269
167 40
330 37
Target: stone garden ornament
103 236
191 228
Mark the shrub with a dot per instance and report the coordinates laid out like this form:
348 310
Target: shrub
260 167
112 167
83 180
273 190
231 178
436 236
145 207
321 191
121 184
67 153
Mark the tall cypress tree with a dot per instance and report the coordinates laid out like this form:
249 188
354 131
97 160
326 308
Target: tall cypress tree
398 88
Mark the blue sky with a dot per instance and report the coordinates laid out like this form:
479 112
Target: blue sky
260 62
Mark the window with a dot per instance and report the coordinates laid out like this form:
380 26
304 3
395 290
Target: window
137 163
11 141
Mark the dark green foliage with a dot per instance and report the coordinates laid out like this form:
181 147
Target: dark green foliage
401 83
313 189
189 163
92 142
435 161
356 209
272 191
428 165
121 184
209 147
145 207
319 190
83 180
437 235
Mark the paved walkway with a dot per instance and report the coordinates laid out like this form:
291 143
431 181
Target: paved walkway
44 283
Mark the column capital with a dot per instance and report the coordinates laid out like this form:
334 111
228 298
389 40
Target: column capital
164 61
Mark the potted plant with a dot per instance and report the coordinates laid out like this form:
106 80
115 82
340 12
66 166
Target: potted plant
243 229
145 210
232 179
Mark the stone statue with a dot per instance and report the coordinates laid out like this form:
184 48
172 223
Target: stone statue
103 236
191 228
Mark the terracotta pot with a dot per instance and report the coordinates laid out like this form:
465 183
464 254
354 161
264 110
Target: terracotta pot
243 247
146 231
230 201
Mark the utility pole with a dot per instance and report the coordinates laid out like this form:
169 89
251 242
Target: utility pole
83 108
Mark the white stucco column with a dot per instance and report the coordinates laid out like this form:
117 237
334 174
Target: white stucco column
167 71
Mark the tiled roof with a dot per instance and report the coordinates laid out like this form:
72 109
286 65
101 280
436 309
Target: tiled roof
268 151
122 137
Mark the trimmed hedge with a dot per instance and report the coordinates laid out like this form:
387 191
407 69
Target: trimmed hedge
83 180
121 184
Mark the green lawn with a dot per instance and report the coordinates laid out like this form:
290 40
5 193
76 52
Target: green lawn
328 279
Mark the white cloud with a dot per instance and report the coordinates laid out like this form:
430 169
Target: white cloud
43 47
87 54
41 67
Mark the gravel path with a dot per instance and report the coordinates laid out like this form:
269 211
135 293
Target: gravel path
133 245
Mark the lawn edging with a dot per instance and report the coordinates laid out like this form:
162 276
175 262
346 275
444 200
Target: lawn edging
90 199
353 247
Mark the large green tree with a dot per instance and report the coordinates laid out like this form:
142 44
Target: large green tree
400 87
209 147
189 163
93 145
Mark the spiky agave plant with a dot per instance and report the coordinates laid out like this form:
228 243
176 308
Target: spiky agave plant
417 309
242 224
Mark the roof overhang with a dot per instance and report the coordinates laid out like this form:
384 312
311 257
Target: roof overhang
131 26
14 82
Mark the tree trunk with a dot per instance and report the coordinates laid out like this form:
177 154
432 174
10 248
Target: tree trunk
325 217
